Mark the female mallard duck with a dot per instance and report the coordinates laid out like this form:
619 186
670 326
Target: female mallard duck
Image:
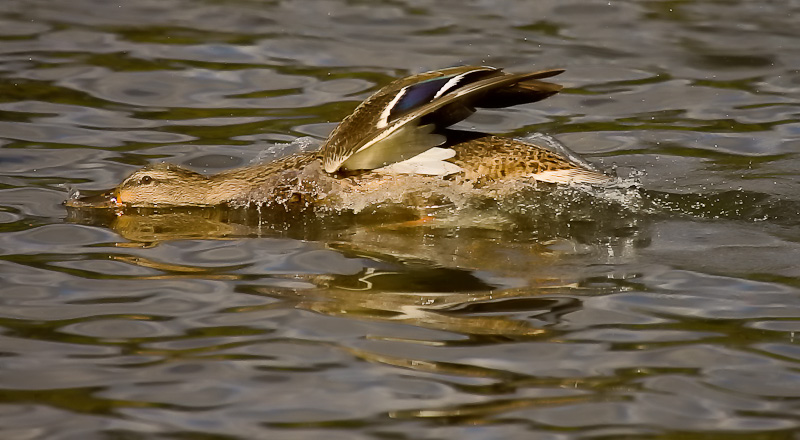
401 129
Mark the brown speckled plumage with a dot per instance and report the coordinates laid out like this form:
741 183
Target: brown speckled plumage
361 130
310 177
490 157
482 159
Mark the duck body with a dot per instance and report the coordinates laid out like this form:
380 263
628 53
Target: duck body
399 130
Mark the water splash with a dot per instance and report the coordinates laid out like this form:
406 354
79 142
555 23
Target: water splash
72 192
498 204
276 151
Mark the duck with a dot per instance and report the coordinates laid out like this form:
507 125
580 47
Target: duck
402 129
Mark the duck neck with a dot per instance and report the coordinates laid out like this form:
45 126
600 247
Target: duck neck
219 191
261 182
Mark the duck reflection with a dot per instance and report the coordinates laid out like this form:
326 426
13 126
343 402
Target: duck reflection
450 281
486 316
466 279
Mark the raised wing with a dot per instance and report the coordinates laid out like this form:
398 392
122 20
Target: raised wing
399 121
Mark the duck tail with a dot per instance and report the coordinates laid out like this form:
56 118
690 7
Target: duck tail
572 176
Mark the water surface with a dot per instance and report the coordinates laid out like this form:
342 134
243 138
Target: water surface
663 311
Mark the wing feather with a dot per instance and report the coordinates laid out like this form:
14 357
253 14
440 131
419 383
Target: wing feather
408 124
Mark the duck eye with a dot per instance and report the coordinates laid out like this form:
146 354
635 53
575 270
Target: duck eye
144 180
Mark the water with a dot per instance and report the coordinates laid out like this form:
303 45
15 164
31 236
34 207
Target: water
668 310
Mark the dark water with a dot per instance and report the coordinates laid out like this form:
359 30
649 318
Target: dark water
663 312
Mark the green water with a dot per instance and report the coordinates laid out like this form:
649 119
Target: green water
666 310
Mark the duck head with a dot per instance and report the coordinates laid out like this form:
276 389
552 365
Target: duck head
155 185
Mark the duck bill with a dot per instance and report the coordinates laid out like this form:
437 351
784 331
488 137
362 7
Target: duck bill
105 200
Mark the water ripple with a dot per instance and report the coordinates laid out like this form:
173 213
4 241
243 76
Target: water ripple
666 307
